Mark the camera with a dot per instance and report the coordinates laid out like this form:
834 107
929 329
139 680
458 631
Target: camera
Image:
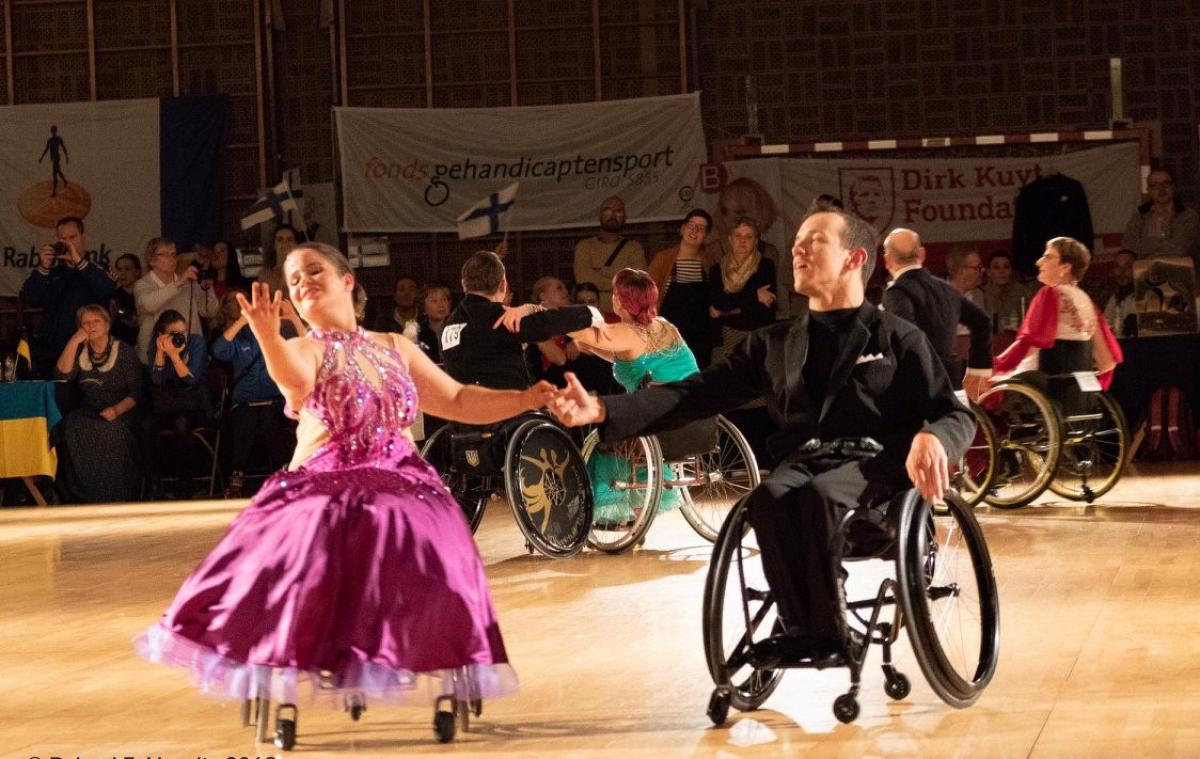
203 272
61 250
178 339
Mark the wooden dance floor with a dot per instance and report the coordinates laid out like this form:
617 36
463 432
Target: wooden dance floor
1100 647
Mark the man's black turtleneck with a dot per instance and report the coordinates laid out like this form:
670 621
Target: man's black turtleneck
828 333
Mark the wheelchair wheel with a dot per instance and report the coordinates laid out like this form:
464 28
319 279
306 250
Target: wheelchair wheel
977 468
738 610
472 493
948 597
723 475
1028 441
626 482
548 487
1094 449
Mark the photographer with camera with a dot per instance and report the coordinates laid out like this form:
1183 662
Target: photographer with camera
64 282
165 288
179 401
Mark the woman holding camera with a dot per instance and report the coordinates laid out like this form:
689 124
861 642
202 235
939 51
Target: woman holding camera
178 398
98 456
164 288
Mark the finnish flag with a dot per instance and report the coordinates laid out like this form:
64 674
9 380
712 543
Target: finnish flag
484 217
271 207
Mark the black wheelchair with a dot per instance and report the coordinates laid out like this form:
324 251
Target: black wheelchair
530 459
706 465
1056 431
941 590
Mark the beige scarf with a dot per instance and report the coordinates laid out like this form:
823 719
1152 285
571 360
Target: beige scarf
734 274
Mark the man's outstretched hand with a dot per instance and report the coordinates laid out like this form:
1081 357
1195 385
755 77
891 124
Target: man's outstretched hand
574 407
928 467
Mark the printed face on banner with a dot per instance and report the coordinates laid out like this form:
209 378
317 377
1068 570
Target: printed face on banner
870 194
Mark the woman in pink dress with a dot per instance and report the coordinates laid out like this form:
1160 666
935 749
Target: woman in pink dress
353 572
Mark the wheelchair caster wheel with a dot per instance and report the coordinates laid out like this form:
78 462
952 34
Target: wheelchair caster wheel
897 686
845 708
443 726
285 728
718 707
285 734
477 707
356 711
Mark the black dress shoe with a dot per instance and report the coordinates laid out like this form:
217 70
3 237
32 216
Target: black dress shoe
786 650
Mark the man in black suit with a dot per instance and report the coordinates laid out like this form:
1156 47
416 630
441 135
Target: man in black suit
475 352
844 372
937 308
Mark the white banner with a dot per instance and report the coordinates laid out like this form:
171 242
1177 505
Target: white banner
417 170
962 199
98 161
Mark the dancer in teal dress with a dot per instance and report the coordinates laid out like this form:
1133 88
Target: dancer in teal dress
644 348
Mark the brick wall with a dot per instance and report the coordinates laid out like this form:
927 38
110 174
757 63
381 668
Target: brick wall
889 68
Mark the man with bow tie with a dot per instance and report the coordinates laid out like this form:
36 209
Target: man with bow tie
863 408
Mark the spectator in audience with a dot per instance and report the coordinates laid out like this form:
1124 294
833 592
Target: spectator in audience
62 284
402 319
1163 226
548 357
282 242
681 275
228 270
99 461
1004 295
586 294
256 420
964 266
179 401
164 289
598 258
122 307
435 309
744 198
742 287
1120 309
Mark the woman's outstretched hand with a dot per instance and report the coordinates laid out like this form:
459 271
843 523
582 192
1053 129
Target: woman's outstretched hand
573 406
512 316
261 311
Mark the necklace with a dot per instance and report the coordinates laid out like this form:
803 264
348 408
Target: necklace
100 359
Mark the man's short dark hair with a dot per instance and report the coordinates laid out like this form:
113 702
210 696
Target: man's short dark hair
78 222
482 273
699 213
856 234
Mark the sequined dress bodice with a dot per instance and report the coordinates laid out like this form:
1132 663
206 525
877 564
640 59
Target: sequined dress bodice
365 400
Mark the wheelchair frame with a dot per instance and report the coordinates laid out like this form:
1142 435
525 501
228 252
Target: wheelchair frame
656 482
551 491
910 537
1062 449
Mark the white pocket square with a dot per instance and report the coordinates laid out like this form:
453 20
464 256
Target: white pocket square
867 358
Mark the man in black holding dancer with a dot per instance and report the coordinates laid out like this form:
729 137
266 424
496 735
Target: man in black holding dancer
863 408
475 352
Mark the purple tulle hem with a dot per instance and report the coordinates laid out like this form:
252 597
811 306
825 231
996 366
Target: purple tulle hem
224 678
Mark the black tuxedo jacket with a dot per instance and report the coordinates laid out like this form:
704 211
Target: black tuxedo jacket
887 384
937 308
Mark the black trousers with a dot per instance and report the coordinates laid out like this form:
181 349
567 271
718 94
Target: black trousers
252 426
795 513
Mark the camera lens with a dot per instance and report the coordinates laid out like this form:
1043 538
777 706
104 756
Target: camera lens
178 340
60 248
